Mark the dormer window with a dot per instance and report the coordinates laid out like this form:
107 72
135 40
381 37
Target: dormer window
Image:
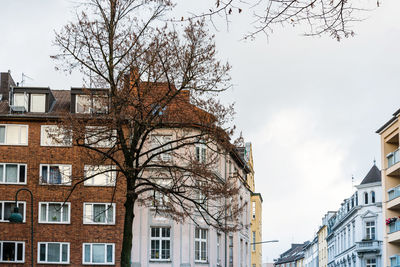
26 99
89 104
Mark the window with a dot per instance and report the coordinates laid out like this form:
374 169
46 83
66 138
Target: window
365 198
160 143
11 251
12 134
55 174
372 197
52 135
52 252
160 198
160 242
12 173
38 103
54 212
370 230
91 104
201 198
98 253
200 245
371 262
254 241
101 175
98 136
201 152
7 207
253 206
21 100
98 213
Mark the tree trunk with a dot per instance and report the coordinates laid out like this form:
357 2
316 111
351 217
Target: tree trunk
128 226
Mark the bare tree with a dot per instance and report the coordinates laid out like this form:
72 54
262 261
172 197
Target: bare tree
335 18
156 122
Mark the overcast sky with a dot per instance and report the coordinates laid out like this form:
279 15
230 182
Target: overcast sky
310 106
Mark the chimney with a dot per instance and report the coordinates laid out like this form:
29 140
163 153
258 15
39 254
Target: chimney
6 81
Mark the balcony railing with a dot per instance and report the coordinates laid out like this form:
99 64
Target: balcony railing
395 261
393 158
394 227
368 245
394 192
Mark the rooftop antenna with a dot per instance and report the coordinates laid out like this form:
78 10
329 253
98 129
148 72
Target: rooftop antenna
23 76
374 161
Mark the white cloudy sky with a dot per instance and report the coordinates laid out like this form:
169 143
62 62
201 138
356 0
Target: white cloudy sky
310 106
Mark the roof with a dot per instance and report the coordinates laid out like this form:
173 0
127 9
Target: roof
383 127
295 253
373 176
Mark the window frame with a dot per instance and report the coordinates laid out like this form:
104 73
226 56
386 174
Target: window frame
158 143
2 202
101 143
19 137
91 252
31 96
48 173
106 213
201 240
16 247
109 173
201 153
18 172
46 252
368 230
47 212
43 134
159 240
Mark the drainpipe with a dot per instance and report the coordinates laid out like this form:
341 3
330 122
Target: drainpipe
226 243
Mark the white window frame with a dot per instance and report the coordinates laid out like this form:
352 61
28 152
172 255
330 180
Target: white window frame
16 243
254 241
44 135
158 141
110 174
159 239
161 199
219 249
22 126
200 241
64 177
67 204
88 220
2 202
371 264
201 153
93 105
368 229
18 172
91 252
46 253
253 209
100 143
25 99
32 95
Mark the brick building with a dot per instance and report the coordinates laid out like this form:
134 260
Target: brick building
87 228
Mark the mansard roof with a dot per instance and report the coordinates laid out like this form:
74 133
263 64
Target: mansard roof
373 176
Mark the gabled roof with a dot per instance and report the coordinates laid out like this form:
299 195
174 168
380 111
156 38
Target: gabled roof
373 176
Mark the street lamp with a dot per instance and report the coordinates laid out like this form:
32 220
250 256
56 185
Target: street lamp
268 241
16 217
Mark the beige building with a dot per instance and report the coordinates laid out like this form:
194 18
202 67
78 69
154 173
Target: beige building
322 243
390 153
255 210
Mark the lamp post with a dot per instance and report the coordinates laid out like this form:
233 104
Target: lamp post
268 241
16 217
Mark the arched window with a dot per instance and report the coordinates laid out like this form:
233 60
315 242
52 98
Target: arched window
365 198
372 197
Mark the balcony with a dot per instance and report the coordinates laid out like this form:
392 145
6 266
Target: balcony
368 246
394 198
395 261
393 159
394 232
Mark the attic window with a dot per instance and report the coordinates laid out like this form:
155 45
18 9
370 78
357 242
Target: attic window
30 102
87 104
38 103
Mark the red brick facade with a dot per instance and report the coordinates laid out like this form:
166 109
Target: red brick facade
76 233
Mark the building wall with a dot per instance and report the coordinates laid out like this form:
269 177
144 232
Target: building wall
76 233
389 144
322 247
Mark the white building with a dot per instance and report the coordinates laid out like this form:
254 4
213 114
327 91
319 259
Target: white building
355 233
159 241
311 253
